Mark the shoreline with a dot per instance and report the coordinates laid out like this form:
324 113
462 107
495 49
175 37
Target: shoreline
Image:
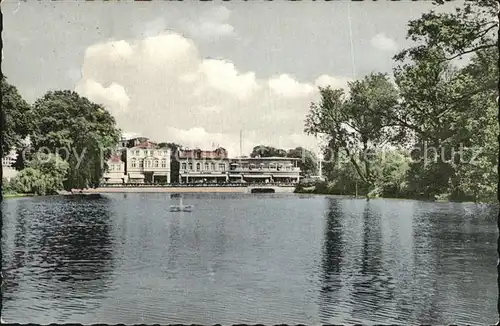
174 190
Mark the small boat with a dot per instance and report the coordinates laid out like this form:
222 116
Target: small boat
175 196
181 207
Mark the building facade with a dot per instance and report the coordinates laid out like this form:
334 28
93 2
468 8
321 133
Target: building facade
147 163
8 171
264 170
198 166
115 172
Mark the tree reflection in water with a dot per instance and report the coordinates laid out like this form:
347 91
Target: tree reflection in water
62 249
333 254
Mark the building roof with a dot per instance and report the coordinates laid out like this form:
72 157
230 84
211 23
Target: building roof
115 158
146 145
198 153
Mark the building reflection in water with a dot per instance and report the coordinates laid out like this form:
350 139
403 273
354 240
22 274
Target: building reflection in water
62 250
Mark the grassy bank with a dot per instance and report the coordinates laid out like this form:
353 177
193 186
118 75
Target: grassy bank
329 188
16 195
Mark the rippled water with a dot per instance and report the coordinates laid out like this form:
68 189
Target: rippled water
247 259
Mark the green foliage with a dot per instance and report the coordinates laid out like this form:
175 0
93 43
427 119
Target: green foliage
445 113
15 122
308 162
267 151
43 175
66 123
359 124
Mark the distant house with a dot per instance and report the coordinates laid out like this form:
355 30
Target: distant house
9 172
264 169
147 162
116 170
203 166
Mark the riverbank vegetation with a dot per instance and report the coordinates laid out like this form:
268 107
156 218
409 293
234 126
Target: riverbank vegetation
63 141
436 115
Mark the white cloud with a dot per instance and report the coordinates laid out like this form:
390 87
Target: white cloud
162 88
212 24
114 97
333 82
384 43
286 86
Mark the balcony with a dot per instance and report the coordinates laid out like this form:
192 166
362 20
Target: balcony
202 172
266 170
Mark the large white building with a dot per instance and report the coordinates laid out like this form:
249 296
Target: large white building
264 170
147 163
203 166
215 167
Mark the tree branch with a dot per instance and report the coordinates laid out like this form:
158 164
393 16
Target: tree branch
481 47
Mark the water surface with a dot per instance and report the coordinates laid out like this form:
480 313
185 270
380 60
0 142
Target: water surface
241 258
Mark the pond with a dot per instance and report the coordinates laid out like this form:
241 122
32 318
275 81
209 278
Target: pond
247 258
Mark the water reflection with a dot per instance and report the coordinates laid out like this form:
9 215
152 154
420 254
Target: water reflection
331 280
245 259
63 253
372 287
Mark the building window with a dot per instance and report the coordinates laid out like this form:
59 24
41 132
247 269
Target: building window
137 153
163 163
222 167
198 166
141 163
213 166
157 164
133 163
190 166
184 166
206 166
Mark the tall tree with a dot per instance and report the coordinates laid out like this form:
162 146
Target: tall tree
15 122
82 132
308 162
356 124
470 29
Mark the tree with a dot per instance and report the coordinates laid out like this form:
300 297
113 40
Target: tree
447 107
267 151
469 29
357 124
83 133
44 175
15 122
308 162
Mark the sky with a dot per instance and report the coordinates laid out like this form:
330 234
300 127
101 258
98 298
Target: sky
198 73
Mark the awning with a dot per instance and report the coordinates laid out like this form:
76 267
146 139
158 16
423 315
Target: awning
203 175
286 176
161 173
257 176
136 176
